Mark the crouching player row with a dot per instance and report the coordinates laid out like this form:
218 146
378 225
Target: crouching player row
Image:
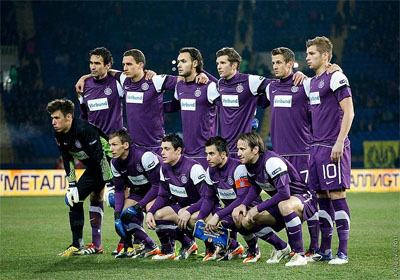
139 169
228 182
289 205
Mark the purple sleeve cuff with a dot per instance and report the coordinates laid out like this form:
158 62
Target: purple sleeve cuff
252 194
119 200
241 194
283 192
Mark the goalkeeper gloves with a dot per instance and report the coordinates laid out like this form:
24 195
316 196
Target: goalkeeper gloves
72 195
109 194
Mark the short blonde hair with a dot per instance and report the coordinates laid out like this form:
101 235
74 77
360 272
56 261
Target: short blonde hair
322 43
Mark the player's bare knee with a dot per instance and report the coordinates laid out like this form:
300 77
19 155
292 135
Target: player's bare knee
286 207
337 194
246 223
323 194
158 215
96 196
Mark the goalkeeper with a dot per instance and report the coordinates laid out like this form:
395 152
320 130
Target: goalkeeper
77 139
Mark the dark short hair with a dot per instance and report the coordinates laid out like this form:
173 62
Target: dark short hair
123 135
104 53
288 54
195 54
66 106
233 55
175 140
220 143
137 55
254 140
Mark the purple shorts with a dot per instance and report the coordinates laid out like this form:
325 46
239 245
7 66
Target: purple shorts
135 197
301 163
328 175
310 208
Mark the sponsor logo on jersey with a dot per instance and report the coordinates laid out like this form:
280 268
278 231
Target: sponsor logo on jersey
201 177
178 191
294 89
342 81
321 84
230 100
265 186
144 86
188 104
134 97
87 95
239 88
226 194
153 163
138 180
276 171
283 101
98 104
184 179
107 91
139 168
81 155
314 98
197 92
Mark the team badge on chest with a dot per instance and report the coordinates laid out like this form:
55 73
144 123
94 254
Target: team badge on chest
184 179
321 84
144 86
78 144
230 181
294 89
197 92
139 168
107 91
239 88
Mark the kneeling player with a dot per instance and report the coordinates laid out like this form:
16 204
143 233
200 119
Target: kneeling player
140 170
290 201
182 181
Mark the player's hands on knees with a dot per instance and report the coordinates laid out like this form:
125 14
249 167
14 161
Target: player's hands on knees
149 74
212 224
150 221
201 79
298 78
238 213
252 213
183 218
333 68
72 195
337 151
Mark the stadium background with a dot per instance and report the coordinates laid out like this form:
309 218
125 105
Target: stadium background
44 48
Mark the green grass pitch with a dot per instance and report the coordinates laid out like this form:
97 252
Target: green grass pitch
34 230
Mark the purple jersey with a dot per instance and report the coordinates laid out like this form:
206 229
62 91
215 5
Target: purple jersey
101 103
141 171
181 183
276 176
238 104
198 113
144 108
290 116
229 184
326 91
